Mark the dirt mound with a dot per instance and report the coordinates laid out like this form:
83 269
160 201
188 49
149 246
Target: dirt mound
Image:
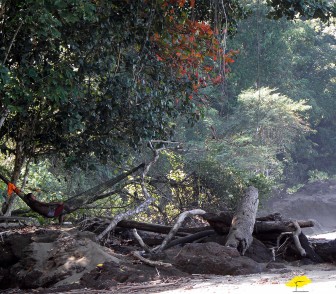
316 201
212 258
45 257
66 259
110 275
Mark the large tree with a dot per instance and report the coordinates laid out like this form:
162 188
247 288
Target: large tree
296 58
101 77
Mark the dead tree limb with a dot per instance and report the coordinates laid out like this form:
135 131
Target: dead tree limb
141 242
148 198
240 235
175 228
137 255
296 234
3 117
280 237
5 234
165 243
95 193
280 226
271 223
296 238
190 238
156 228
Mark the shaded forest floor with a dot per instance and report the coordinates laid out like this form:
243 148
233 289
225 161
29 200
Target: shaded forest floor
65 260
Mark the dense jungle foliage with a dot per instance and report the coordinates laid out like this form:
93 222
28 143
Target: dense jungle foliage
238 93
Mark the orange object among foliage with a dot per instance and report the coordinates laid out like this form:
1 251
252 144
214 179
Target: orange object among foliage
190 47
10 189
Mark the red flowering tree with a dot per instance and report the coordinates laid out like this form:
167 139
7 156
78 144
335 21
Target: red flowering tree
193 48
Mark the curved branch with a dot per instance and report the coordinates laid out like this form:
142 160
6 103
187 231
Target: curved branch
191 238
175 228
296 234
137 255
143 245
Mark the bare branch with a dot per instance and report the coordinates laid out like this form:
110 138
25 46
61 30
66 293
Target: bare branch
141 242
12 42
296 234
148 198
165 142
175 228
137 255
4 116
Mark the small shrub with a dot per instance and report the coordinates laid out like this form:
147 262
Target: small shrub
294 189
316 175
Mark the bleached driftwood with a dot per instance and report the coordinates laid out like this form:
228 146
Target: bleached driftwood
240 235
175 228
295 234
141 242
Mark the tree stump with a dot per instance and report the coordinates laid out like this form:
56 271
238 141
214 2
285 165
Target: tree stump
240 234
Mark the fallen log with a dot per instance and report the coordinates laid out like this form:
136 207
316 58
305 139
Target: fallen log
280 226
160 229
242 226
97 225
263 230
272 223
190 238
176 226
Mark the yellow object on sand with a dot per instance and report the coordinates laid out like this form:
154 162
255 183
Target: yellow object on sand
298 281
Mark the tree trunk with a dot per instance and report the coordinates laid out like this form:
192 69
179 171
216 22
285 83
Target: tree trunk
240 235
177 225
19 161
4 114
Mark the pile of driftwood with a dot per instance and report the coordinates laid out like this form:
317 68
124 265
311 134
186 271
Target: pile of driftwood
239 229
